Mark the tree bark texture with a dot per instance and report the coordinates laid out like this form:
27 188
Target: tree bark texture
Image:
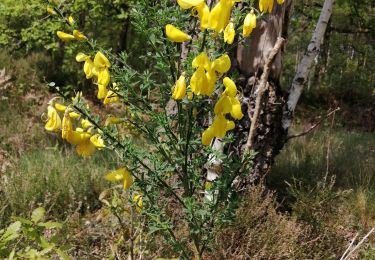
276 107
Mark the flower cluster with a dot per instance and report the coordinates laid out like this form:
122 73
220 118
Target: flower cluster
83 135
207 72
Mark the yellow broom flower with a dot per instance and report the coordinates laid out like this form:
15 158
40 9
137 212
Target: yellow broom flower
176 35
64 36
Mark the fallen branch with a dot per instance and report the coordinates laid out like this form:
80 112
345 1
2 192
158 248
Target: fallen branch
346 255
314 126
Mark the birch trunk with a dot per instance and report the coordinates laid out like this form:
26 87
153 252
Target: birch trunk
306 63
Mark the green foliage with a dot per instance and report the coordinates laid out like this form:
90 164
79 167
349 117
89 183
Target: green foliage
31 239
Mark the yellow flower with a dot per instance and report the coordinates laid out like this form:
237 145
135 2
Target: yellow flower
85 148
220 15
236 111
220 126
67 126
230 87
266 5
111 97
60 107
79 36
85 123
280 2
229 33
211 78
71 20
74 115
176 35
201 60
179 89
207 136
65 36
88 67
138 201
221 64
54 121
97 141
249 24
121 174
111 120
104 77
223 105
101 61
199 81
204 13
50 11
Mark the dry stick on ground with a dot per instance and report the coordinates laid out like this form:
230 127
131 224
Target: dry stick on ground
263 85
346 255
314 126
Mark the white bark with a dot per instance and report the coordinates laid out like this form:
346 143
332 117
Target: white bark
306 63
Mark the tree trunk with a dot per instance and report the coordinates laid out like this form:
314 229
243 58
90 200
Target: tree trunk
276 107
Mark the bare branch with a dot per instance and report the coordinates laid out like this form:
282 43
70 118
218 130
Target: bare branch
314 126
263 85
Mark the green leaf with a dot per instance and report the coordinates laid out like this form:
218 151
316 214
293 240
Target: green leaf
50 225
62 254
12 232
38 214
23 220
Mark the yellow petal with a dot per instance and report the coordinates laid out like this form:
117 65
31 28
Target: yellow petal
128 180
199 81
97 141
222 64
249 23
71 20
88 68
60 107
137 199
79 36
204 14
65 36
116 175
51 11
186 4
230 125
230 87
176 35
207 136
219 126
201 60
223 105
85 123
102 91
179 90
74 115
77 137
104 77
54 122
101 61
111 120
85 148
236 111
67 126
111 97
229 33
280 2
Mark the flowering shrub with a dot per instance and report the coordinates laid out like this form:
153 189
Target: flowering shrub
180 105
